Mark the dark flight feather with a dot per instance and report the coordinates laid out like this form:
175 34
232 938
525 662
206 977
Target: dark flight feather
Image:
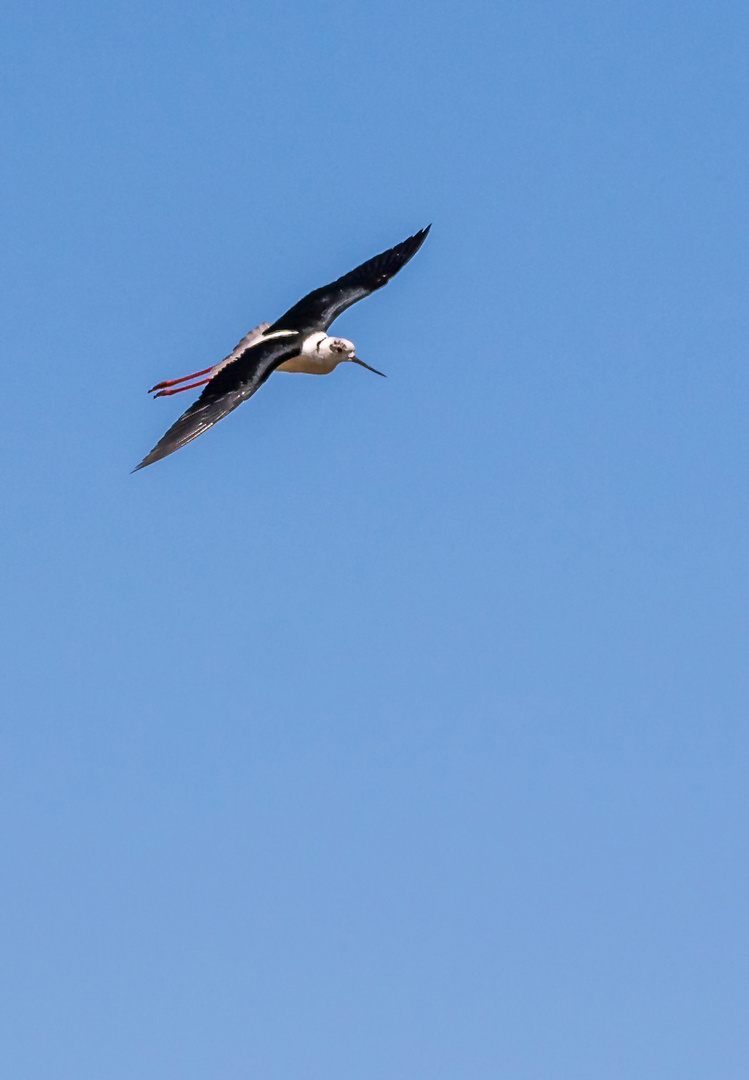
317 310
229 387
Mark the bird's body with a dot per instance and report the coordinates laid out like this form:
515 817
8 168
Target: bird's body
312 364
297 342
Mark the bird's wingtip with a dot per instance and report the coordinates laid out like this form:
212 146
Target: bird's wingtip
411 245
419 237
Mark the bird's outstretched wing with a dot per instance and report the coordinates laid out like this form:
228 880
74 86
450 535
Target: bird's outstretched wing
236 380
317 310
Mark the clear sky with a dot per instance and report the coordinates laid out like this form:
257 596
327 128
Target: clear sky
391 729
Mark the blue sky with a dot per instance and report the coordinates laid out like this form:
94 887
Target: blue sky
392 728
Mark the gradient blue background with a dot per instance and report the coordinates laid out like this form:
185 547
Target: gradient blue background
392 729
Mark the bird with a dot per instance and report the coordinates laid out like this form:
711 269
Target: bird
298 341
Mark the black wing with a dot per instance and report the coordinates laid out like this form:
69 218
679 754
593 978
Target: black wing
318 309
229 387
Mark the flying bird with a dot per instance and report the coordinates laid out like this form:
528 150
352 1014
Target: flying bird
298 341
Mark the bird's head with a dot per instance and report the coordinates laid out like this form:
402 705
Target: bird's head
334 350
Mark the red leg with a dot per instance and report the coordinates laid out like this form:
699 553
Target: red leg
179 389
173 382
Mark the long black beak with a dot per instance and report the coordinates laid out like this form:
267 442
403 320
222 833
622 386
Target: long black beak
356 360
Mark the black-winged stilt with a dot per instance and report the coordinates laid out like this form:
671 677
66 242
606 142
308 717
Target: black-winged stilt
298 341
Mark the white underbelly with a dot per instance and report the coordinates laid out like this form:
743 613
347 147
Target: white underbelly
308 365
